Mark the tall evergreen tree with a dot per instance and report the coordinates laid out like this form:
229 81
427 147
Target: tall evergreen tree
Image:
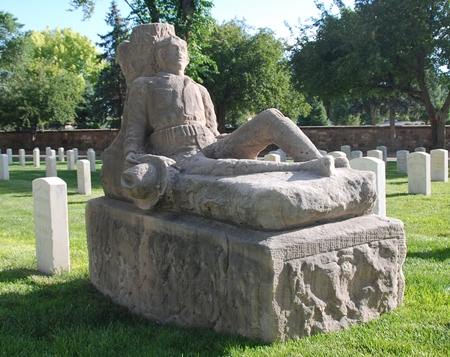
110 90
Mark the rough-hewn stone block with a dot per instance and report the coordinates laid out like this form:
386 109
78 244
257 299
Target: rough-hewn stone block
194 272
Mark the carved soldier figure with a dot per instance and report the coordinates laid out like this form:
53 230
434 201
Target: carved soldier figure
178 116
171 120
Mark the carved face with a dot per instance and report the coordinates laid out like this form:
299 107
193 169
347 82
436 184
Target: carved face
173 56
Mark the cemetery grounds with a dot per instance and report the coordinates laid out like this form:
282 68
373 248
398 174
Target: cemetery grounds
65 316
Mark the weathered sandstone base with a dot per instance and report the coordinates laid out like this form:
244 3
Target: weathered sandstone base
193 272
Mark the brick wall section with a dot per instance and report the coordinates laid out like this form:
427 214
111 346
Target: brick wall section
365 138
329 138
68 139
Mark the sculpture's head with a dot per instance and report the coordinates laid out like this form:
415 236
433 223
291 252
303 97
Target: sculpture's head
171 54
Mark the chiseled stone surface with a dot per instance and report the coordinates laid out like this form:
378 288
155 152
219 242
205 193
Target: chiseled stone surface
265 201
194 272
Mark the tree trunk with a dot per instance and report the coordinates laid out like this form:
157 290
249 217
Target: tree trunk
373 114
431 110
440 123
328 110
154 13
392 128
187 9
221 111
33 132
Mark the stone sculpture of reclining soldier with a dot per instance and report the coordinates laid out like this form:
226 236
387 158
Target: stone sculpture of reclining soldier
172 124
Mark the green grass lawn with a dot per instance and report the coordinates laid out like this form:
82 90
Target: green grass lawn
65 316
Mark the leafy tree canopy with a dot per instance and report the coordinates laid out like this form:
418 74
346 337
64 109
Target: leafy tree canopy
252 73
43 76
9 28
382 47
68 50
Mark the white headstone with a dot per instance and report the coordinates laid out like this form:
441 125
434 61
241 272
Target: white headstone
84 177
10 158
48 150
4 167
439 165
282 155
347 150
51 225
379 167
61 154
75 153
378 154
420 149
53 153
402 161
70 160
36 157
323 152
50 166
91 158
355 154
383 149
272 157
337 154
419 175
22 157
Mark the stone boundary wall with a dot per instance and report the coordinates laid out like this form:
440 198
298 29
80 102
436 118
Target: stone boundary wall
68 139
329 138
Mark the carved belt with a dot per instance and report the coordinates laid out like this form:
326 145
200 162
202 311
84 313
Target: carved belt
175 134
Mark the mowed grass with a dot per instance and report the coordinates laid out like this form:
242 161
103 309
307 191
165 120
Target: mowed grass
65 316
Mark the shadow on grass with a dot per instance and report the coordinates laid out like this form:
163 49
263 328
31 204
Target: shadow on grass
397 194
10 276
75 313
437 255
398 183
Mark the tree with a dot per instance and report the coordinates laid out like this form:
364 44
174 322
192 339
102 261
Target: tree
383 46
44 94
110 89
317 116
191 18
14 48
48 73
252 73
9 28
68 50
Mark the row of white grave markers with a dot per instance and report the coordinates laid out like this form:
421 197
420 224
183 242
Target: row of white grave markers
48 152
380 153
84 167
422 168
277 156
438 162
52 153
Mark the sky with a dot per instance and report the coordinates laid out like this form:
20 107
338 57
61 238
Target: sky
38 14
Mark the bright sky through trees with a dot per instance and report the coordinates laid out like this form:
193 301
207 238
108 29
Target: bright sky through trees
37 15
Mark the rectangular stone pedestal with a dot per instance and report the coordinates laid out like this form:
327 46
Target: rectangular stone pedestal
194 272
